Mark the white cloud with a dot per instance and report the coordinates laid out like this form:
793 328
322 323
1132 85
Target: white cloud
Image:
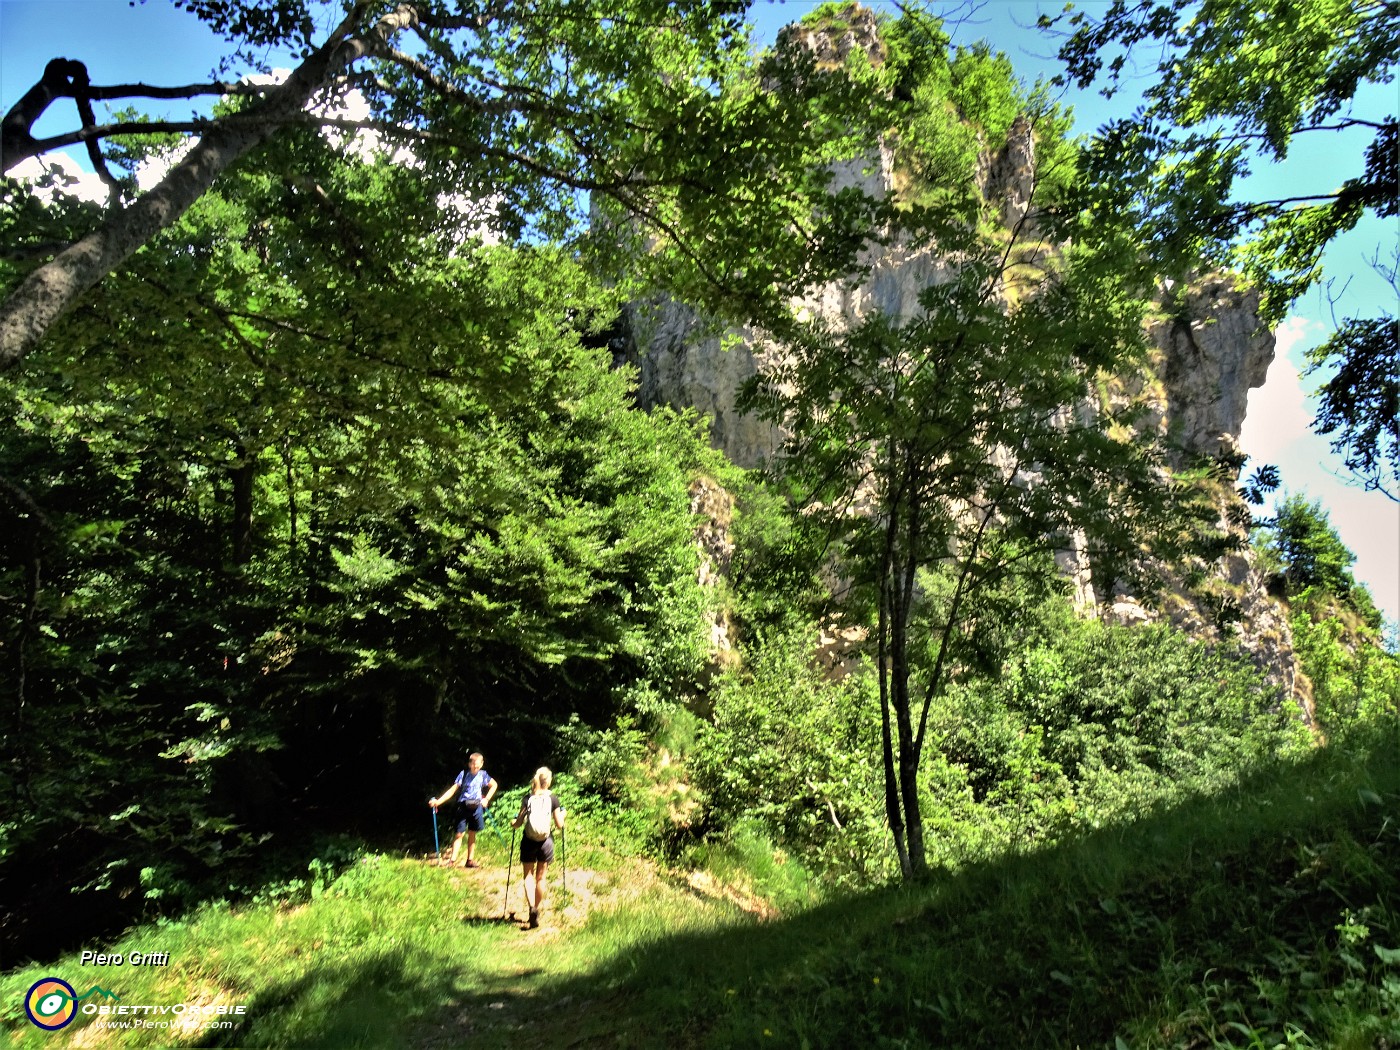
72 180
1278 415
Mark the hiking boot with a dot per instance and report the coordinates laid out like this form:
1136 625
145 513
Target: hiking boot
534 919
471 864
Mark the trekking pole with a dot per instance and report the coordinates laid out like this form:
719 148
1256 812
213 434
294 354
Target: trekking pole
510 868
437 847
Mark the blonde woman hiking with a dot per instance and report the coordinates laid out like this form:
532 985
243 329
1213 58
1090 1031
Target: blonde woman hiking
540 813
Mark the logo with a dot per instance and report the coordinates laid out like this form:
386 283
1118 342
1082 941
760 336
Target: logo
51 1003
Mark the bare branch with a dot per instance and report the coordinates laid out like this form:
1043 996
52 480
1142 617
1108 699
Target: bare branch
114 91
105 131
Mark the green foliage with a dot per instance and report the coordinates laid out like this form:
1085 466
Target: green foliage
1360 401
638 132
985 90
1092 724
1223 101
640 769
1054 726
1301 542
1335 625
745 858
609 762
332 500
796 752
775 583
947 111
1355 681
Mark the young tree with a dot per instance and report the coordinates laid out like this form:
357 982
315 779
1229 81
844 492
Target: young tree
965 440
1310 554
942 451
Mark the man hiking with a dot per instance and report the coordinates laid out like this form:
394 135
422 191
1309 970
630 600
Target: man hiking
475 789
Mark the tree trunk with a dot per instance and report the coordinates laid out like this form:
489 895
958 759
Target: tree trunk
908 789
894 812
52 290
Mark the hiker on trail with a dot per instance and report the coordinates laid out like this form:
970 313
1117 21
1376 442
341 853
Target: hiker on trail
475 789
540 813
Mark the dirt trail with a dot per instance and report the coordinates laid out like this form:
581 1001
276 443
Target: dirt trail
517 1018
484 895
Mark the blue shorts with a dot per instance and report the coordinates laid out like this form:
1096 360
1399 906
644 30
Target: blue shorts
471 816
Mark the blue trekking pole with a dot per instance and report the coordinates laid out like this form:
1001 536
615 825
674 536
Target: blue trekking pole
437 847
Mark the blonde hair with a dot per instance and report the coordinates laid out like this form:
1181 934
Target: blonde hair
541 780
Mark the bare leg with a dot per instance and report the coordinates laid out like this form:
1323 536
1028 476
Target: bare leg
541 887
541 891
471 846
456 845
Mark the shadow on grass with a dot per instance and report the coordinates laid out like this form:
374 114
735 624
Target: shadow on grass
1222 921
488 921
392 1000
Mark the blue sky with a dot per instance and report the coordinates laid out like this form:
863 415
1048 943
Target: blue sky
122 42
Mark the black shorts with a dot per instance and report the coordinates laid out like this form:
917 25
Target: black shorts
470 817
533 851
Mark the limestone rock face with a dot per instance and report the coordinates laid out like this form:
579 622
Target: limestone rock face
1214 353
831 44
1008 176
713 509
1211 351
687 363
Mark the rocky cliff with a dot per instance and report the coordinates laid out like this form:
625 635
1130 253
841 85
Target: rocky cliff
1210 350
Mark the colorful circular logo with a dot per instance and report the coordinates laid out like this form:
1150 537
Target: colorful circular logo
51 1003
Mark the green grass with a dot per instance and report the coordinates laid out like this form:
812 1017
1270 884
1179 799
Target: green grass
1267 916
394 953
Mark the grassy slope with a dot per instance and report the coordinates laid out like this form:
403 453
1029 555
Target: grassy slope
1268 917
1264 918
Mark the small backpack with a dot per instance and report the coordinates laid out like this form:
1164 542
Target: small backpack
537 817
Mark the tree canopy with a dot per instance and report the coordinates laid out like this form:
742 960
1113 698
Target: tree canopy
1235 87
644 112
